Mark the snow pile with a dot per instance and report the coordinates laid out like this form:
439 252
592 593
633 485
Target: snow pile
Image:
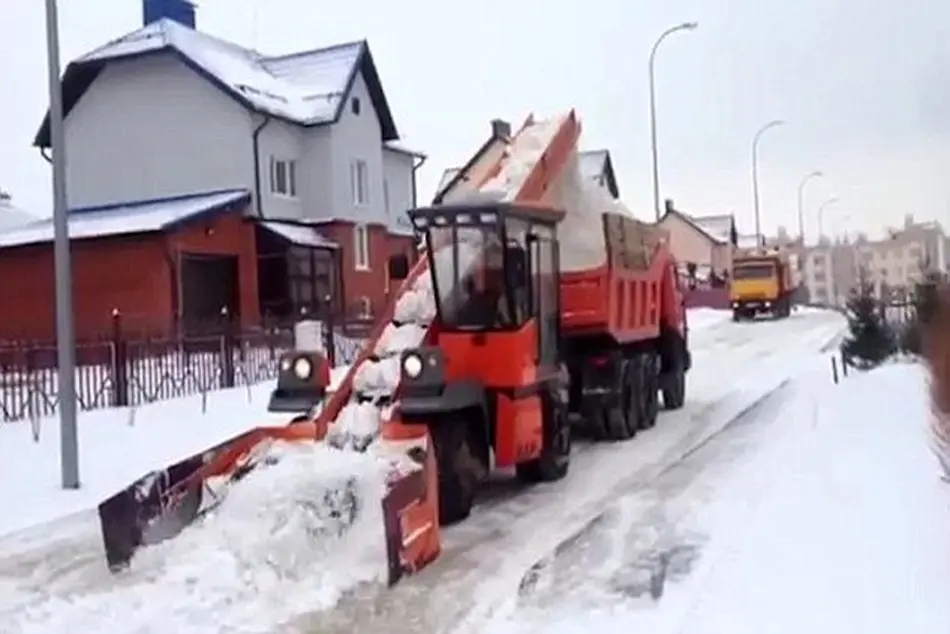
289 540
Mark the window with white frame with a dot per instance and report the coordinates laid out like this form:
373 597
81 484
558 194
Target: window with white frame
283 177
361 247
359 182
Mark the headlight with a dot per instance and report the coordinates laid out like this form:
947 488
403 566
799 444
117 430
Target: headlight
303 368
768 304
412 366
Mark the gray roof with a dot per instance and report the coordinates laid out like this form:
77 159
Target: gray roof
307 88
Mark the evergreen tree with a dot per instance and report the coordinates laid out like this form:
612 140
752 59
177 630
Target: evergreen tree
870 339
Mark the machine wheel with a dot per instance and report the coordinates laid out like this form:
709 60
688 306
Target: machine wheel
555 458
649 389
455 461
736 315
611 420
619 420
674 389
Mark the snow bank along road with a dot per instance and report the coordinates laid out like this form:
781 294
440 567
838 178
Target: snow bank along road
53 579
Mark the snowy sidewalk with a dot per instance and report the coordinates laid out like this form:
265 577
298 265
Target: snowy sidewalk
852 535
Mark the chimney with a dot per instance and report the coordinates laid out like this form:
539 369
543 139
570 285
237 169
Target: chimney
500 129
181 11
668 204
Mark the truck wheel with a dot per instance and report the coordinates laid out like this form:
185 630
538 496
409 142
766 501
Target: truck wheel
649 390
674 389
458 479
555 458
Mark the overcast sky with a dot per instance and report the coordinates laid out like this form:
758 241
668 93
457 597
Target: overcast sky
863 84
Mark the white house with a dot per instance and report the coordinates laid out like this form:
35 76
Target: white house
168 110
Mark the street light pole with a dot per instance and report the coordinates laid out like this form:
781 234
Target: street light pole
65 337
801 211
821 213
686 26
755 174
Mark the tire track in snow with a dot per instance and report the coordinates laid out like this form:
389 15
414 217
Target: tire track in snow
485 558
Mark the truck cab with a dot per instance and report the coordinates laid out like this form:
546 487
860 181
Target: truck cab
760 285
490 381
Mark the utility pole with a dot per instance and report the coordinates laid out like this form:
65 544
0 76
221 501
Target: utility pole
65 337
685 26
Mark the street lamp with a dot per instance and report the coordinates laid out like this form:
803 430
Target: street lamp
821 213
755 173
685 26
801 212
65 337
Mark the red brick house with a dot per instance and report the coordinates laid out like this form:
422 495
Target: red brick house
167 264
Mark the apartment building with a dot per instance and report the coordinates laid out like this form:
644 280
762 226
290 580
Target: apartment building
831 268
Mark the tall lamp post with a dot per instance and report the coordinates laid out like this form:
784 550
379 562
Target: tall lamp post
65 337
801 205
821 214
685 26
755 173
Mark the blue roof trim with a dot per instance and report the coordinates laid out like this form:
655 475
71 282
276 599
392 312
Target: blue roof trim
80 76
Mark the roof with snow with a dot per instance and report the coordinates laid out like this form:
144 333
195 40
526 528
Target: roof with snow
145 216
298 233
720 228
596 165
12 217
307 88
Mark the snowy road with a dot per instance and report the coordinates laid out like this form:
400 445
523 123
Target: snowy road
486 557
484 560
828 514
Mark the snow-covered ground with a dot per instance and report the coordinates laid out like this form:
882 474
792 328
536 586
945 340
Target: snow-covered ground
260 565
117 446
827 515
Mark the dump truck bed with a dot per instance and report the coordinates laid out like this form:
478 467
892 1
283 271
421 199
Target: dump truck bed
625 297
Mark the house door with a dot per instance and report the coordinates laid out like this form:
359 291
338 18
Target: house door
208 286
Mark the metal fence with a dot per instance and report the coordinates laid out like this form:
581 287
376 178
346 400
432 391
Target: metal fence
120 371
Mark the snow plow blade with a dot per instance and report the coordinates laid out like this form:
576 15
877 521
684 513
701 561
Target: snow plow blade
163 503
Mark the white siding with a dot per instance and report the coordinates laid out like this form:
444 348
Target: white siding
397 174
153 127
358 137
281 141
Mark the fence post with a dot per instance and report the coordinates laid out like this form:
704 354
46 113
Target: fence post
227 350
844 363
330 332
120 367
834 369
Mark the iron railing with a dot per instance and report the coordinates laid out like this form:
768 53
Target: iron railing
120 371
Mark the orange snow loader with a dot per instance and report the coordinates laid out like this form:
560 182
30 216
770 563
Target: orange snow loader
521 352
517 352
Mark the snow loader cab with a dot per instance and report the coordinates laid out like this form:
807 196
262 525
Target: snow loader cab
490 383
302 382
